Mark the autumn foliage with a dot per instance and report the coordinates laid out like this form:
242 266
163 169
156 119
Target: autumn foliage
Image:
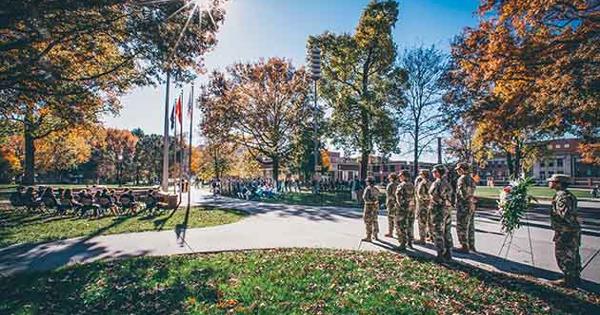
530 69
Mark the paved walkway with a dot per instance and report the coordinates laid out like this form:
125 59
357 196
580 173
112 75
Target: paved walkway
276 225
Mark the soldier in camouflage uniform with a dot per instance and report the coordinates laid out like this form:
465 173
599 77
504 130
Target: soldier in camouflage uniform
439 196
390 201
405 196
465 208
371 210
422 204
567 230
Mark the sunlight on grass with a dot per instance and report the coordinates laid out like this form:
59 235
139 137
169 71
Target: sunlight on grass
26 228
298 281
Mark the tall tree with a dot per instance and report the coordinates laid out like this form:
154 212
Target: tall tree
117 157
259 106
148 157
66 62
359 79
65 150
531 69
421 119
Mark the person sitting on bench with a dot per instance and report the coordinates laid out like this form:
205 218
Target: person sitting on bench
87 203
30 199
67 202
153 201
16 198
127 201
107 203
49 200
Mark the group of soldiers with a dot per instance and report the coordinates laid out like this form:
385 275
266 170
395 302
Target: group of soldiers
431 203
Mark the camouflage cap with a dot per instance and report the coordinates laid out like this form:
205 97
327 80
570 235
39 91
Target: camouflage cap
462 166
424 171
405 173
561 178
393 176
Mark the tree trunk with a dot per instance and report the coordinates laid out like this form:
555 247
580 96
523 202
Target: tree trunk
365 145
364 163
276 172
517 163
29 174
510 164
416 153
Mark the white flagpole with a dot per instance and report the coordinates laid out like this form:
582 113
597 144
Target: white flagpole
189 168
165 170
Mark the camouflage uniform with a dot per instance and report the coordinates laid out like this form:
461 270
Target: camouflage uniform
422 198
371 199
567 234
405 198
465 211
392 206
439 194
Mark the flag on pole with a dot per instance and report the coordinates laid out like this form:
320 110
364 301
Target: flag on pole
178 111
190 106
172 119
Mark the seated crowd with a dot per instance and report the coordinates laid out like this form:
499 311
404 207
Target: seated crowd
261 188
86 202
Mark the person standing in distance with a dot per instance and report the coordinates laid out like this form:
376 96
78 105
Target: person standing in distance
465 208
371 209
405 196
439 196
422 204
567 230
390 201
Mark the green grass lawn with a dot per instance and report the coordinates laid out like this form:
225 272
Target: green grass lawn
295 281
537 191
28 228
340 199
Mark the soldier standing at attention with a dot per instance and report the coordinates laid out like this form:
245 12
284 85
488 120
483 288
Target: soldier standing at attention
465 208
405 196
371 199
390 201
422 204
567 230
439 196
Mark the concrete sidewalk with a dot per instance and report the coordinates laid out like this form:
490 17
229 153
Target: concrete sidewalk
277 225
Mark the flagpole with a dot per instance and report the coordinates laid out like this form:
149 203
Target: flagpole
189 168
175 152
165 170
181 146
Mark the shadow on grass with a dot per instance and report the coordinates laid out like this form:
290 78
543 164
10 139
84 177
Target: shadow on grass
120 287
560 299
42 256
313 213
160 286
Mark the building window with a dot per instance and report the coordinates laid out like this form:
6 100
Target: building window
542 164
550 174
567 146
549 147
550 164
375 168
559 162
543 175
392 168
558 146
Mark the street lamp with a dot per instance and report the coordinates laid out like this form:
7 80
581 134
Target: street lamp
314 61
120 170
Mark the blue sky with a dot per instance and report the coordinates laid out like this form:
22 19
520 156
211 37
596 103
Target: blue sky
279 28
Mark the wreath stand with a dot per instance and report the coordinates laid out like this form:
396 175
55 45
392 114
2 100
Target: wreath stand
508 239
